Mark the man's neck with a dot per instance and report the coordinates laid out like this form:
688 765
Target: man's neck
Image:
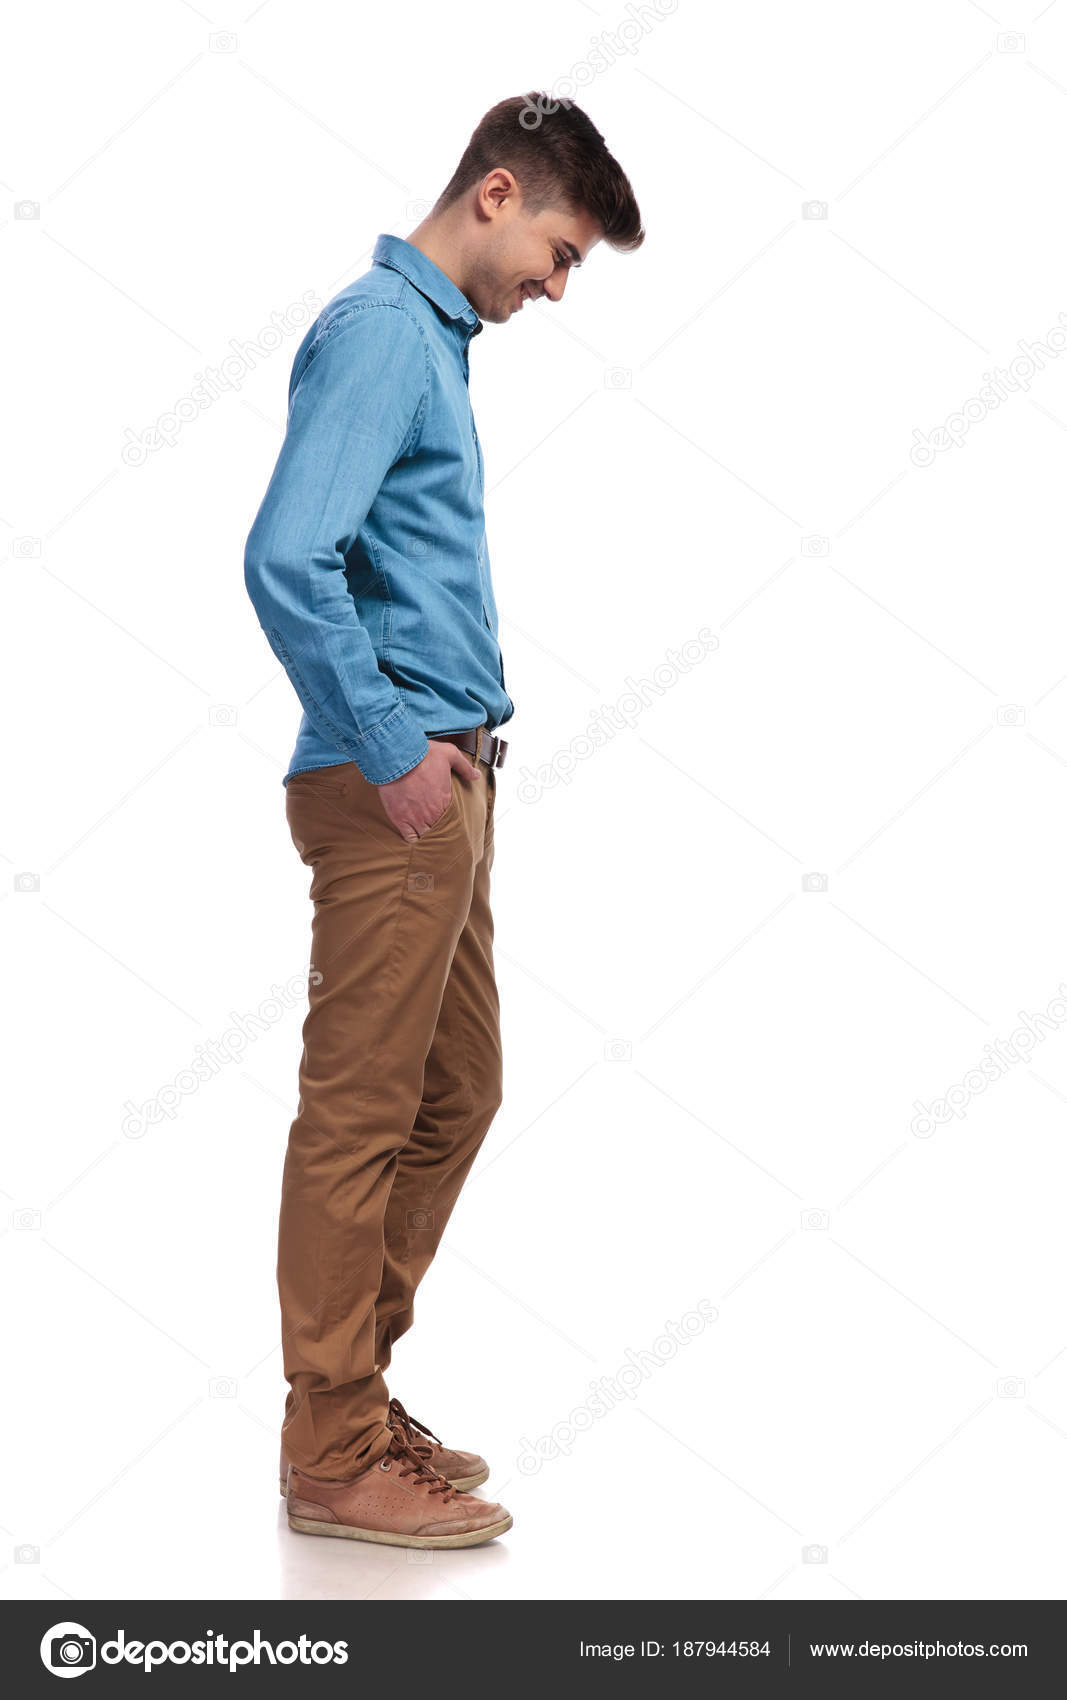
438 239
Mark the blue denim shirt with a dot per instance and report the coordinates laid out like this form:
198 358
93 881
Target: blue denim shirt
367 562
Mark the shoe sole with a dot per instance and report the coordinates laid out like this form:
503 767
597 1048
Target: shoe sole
462 1484
472 1538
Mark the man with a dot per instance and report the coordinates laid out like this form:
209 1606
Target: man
368 569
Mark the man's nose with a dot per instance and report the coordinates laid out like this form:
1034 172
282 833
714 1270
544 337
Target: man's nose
554 286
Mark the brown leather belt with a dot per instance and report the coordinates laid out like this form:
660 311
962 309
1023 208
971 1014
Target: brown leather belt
477 742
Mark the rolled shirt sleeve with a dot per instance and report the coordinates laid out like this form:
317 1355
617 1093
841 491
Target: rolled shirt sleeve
353 409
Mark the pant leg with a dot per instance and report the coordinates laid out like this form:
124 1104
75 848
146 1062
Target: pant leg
388 917
460 1096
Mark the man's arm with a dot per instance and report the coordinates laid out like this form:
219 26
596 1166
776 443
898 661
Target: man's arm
355 407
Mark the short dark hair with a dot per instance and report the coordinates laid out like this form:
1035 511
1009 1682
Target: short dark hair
558 157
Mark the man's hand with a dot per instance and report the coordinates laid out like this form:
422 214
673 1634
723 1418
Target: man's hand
416 801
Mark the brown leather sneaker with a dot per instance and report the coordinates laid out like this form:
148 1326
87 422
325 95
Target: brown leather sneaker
401 1501
464 1470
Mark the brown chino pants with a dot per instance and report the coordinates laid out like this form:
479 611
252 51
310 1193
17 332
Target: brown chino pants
399 1080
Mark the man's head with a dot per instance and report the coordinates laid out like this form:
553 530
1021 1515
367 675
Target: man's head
535 190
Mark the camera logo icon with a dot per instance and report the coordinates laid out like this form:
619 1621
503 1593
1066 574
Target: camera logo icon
1011 1387
68 1649
815 209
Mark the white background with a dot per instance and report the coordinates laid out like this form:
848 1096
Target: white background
711 1070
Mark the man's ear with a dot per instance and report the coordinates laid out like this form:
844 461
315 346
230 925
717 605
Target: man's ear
498 186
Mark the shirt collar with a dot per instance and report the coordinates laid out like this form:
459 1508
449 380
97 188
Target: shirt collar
427 278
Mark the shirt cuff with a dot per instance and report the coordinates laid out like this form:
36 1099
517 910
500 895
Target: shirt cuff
390 749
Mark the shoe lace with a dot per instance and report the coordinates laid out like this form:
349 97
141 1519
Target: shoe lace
413 1464
411 1428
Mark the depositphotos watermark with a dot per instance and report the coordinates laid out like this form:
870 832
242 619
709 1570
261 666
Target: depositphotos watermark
607 46
608 1391
209 1058
69 1649
215 381
612 718
997 386
1001 1055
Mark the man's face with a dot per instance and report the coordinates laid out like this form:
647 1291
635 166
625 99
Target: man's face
525 258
